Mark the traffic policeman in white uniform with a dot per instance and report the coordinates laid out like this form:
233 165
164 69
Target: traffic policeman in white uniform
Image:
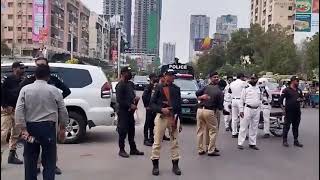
250 104
227 104
265 107
235 89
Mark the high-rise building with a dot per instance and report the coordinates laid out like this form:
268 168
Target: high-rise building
99 40
169 53
123 8
147 18
227 24
267 13
199 29
23 32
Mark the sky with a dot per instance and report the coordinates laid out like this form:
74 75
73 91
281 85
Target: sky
175 22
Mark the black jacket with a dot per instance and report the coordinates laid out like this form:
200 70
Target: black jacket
158 98
216 97
125 95
53 81
10 89
293 99
146 96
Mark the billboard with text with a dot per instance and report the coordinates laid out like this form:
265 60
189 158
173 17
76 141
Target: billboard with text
307 16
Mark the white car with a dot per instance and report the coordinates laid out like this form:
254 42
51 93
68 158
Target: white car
90 98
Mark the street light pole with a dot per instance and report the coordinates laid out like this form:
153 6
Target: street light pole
119 51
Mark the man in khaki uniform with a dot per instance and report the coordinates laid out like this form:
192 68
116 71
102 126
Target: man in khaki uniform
211 98
166 102
10 88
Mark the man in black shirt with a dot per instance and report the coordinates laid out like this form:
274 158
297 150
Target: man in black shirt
150 115
211 98
9 95
128 101
293 96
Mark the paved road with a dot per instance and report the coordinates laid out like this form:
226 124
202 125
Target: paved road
96 158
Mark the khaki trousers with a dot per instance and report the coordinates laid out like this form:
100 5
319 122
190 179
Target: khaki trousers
8 125
161 124
207 121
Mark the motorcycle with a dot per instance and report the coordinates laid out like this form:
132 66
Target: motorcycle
276 123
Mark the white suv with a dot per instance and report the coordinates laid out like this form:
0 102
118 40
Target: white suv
90 98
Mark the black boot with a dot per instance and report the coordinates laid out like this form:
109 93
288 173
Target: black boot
155 170
297 143
58 170
13 158
165 138
285 143
147 143
123 153
175 167
136 152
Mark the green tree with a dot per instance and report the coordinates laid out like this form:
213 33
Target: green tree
5 50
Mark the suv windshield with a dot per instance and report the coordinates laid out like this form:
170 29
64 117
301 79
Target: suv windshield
140 78
186 85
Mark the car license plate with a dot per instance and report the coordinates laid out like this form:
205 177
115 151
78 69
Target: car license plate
185 110
140 85
276 99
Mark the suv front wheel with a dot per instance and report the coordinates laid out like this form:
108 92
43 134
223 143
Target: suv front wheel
75 128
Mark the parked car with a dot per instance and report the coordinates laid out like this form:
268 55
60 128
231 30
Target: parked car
90 98
140 82
189 99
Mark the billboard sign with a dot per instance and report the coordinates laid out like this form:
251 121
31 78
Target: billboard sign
307 16
39 19
203 44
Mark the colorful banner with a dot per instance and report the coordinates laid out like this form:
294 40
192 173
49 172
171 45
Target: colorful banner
307 16
303 23
37 19
303 6
203 44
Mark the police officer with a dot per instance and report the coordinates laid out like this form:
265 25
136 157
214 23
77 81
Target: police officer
162 81
235 89
227 104
250 103
9 95
292 110
265 107
166 102
128 102
208 115
55 81
150 115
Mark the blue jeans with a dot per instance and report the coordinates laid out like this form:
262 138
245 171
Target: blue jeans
45 134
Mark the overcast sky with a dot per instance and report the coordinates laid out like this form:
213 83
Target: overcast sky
176 18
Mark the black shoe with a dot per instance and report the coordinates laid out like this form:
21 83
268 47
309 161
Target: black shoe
175 167
228 129
136 152
155 169
266 136
247 137
253 147
298 144
240 147
13 158
165 138
123 154
216 150
234 136
147 143
38 170
285 144
58 170
201 153
214 154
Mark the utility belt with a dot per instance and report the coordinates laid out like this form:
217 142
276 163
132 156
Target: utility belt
208 108
236 98
251 107
266 104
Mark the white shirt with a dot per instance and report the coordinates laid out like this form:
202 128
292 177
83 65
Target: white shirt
264 95
250 96
227 95
236 88
39 102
